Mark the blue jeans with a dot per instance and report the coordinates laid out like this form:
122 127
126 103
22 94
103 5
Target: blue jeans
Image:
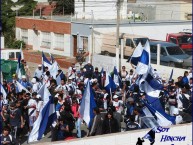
78 127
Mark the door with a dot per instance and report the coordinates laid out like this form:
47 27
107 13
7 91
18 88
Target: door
74 45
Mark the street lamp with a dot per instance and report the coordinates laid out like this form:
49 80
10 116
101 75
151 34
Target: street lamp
16 8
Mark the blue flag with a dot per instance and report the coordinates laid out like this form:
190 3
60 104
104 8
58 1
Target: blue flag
162 118
46 117
87 105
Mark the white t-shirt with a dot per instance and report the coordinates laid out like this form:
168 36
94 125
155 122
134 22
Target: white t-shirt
39 106
32 102
36 87
118 106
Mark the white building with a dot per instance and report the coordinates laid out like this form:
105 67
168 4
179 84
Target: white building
99 9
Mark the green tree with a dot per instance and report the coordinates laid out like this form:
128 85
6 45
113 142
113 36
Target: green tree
66 6
8 17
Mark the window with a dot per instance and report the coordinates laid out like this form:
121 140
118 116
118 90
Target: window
11 55
84 44
59 42
46 39
129 43
173 40
163 52
17 54
24 35
153 49
174 50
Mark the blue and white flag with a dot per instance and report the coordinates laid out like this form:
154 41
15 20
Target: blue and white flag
87 105
59 78
135 58
44 93
116 77
20 87
3 92
144 61
51 58
162 118
22 56
46 117
150 85
171 75
53 69
45 61
18 70
150 135
110 85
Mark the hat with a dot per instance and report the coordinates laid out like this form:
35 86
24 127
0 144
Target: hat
176 111
70 78
130 99
39 65
33 80
13 75
38 96
163 78
23 77
115 97
89 61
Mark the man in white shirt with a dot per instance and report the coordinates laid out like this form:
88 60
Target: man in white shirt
35 85
32 106
118 104
38 72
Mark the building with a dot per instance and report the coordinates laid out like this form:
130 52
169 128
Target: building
65 37
161 10
100 9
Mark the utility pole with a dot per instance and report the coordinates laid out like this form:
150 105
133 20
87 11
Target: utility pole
117 34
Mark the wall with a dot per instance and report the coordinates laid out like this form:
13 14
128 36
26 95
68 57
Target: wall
110 62
130 138
35 28
156 31
101 9
2 42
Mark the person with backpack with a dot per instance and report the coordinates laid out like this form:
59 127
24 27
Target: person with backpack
7 138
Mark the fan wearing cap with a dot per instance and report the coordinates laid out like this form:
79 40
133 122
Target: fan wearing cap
38 72
39 104
118 104
35 85
89 70
97 74
24 82
32 105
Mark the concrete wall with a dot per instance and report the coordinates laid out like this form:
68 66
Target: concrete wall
156 31
130 138
110 62
101 9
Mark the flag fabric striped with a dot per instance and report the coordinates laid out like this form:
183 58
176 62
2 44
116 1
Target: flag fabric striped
20 87
18 70
116 77
110 85
59 78
46 117
162 118
87 105
45 61
3 92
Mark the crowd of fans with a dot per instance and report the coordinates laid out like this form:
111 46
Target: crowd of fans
21 109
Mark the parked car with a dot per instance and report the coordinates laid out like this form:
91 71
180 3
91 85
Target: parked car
130 42
170 53
183 39
187 63
10 54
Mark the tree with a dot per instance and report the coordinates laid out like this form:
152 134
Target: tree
64 6
8 17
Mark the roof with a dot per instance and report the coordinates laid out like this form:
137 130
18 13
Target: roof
123 35
162 43
180 34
